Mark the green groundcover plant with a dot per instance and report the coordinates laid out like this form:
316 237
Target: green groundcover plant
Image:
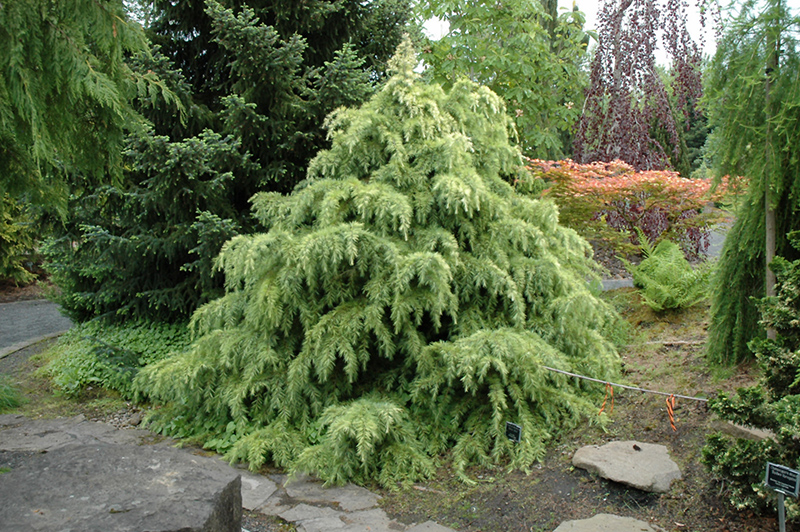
100 353
401 304
773 405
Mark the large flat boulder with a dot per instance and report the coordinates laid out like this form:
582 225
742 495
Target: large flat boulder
73 475
643 466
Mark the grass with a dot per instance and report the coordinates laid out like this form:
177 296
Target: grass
10 396
39 398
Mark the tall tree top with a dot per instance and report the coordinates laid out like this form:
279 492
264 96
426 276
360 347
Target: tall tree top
185 31
627 102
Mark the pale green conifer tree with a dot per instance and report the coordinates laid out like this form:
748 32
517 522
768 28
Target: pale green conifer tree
401 304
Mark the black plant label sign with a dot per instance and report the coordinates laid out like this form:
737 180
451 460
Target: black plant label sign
779 478
513 431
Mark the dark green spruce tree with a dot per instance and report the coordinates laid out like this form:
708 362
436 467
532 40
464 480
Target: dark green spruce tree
401 304
252 119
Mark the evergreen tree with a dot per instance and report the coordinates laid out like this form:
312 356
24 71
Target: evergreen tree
65 94
756 136
143 248
773 404
401 303
65 107
523 51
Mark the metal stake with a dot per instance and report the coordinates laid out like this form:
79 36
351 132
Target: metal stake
781 512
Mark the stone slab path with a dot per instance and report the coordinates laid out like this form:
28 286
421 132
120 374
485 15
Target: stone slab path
70 475
301 501
606 523
311 508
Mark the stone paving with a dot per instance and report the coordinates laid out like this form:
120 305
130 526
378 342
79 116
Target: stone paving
26 322
311 508
105 457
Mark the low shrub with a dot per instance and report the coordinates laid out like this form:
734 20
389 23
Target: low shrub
110 355
607 202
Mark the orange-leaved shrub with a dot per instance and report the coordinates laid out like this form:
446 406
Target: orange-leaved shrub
605 202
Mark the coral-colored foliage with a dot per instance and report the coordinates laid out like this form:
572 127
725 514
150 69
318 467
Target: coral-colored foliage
606 201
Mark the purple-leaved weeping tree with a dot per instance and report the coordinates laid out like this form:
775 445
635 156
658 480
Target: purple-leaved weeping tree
628 113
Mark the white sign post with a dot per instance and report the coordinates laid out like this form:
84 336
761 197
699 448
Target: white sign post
785 481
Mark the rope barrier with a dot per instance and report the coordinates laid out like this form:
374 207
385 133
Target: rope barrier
634 388
671 412
610 391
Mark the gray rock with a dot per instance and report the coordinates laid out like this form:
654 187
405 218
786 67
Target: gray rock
373 520
256 490
429 526
644 466
120 488
18 433
335 509
605 523
349 497
11 420
306 512
614 284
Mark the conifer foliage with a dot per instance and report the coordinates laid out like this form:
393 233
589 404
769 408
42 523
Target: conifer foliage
773 404
142 248
400 305
758 137
64 94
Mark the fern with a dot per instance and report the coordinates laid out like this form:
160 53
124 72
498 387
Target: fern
399 306
666 279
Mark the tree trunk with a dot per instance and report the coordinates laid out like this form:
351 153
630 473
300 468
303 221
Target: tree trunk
769 207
